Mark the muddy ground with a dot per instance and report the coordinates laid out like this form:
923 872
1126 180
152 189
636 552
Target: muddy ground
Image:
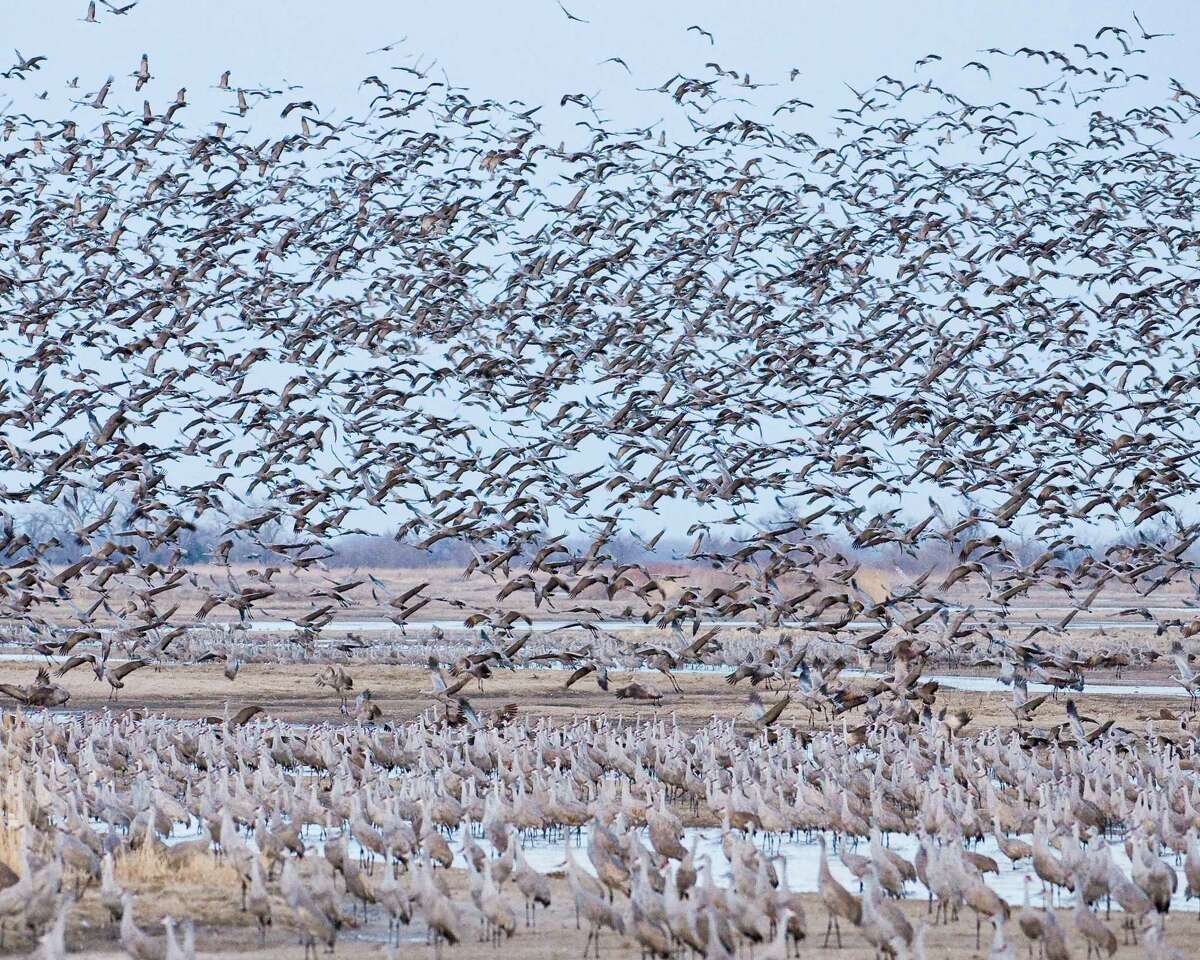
289 692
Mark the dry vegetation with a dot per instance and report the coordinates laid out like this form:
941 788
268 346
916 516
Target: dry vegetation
288 692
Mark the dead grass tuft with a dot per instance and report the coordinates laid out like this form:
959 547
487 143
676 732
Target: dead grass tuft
13 814
151 865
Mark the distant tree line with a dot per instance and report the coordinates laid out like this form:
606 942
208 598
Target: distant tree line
62 536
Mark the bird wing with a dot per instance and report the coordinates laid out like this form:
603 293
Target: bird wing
73 663
578 675
17 693
468 712
505 715
125 669
245 714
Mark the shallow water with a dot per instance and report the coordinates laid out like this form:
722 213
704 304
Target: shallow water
966 682
982 684
973 684
797 861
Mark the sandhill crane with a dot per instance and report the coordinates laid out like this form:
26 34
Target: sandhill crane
1048 867
1131 899
358 885
678 917
53 945
589 666
237 851
1156 879
116 675
174 949
665 830
955 721
839 902
943 878
883 923
14 898
1191 866
111 894
610 870
502 866
135 942
1184 675
498 913
370 840
534 887
890 876
440 912
315 927
337 679
715 946
778 948
984 901
1054 942
1001 949
1100 940
1156 947
41 908
1031 921
596 911
578 877
653 940
786 906
640 692
1013 848
394 897
259 901
40 693
317 919
435 846
1023 706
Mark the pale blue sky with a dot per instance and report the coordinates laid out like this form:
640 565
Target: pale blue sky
530 50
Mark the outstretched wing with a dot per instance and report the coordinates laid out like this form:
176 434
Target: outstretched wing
15 692
125 669
74 662
578 675
245 715
774 713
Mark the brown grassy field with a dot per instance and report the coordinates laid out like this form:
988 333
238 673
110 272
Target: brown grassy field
288 692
